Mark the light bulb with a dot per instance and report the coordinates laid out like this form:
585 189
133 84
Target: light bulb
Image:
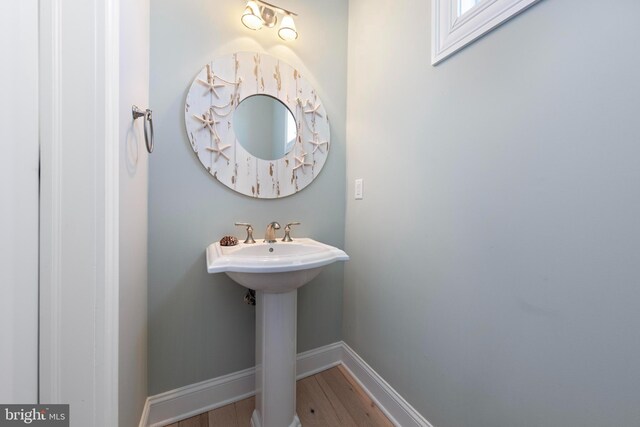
268 16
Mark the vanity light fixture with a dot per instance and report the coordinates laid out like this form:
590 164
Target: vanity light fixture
258 14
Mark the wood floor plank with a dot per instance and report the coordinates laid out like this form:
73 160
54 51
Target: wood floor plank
340 410
313 407
223 417
365 397
244 410
361 408
201 420
331 398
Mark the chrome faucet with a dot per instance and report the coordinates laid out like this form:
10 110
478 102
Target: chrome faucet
249 238
287 232
270 235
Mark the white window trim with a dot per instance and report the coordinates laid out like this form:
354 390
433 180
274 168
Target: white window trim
451 33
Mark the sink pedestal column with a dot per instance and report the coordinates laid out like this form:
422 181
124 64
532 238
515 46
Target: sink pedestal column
276 360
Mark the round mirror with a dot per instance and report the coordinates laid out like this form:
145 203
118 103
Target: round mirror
257 125
265 127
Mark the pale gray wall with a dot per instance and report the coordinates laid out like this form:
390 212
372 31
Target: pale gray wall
134 89
199 328
494 278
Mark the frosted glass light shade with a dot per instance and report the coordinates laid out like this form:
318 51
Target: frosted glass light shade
251 16
287 29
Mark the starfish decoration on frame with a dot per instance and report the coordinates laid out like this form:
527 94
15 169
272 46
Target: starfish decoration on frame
312 109
208 121
317 145
219 150
300 162
211 82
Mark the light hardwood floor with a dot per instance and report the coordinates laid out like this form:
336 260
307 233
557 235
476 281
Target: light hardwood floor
331 398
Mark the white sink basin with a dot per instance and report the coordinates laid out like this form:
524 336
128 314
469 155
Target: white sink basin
272 267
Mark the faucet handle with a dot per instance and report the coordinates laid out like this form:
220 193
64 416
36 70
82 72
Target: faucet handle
249 238
287 232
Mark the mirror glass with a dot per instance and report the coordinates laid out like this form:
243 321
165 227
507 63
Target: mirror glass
265 127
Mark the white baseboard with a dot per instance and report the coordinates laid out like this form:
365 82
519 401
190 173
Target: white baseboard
398 410
319 359
179 404
194 399
144 418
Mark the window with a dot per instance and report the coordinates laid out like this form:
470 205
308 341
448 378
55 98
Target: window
466 5
456 23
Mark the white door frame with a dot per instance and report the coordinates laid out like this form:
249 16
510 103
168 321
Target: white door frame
19 202
79 89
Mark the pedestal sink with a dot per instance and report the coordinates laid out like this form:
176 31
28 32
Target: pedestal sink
275 271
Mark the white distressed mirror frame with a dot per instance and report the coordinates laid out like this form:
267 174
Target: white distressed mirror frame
450 32
211 101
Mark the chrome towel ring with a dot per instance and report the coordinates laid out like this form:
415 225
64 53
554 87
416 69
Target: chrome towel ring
148 135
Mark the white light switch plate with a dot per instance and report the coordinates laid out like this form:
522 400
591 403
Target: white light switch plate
358 189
